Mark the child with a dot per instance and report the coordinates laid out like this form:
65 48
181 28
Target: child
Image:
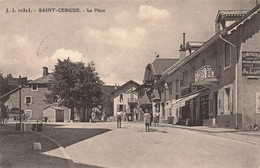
119 117
157 118
147 119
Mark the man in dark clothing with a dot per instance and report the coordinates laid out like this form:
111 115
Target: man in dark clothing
151 120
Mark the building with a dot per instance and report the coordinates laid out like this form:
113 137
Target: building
218 83
33 98
150 90
55 114
125 100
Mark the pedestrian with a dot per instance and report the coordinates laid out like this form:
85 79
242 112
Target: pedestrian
151 120
147 120
119 118
93 116
157 118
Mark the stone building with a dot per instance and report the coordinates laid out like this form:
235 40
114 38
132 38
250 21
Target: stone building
33 98
218 83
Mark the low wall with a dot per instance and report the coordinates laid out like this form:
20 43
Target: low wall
229 121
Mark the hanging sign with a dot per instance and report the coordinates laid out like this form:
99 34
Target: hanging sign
250 63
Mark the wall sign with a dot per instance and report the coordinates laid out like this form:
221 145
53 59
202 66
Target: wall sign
250 63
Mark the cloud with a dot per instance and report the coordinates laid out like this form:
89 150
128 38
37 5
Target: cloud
117 52
152 14
62 54
23 59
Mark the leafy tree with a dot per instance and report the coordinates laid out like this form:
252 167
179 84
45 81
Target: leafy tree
4 88
76 86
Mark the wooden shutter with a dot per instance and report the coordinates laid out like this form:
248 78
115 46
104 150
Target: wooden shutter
124 107
118 108
230 100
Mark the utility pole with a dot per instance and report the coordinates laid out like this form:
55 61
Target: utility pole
20 109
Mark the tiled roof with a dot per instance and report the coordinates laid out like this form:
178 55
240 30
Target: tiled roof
213 39
195 44
231 13
42 80
125 87
234 12
54 107
159 65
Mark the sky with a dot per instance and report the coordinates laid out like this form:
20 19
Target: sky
121 40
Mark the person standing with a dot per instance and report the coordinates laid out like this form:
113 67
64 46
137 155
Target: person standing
147 120
151 120
157 118
93 116
119 119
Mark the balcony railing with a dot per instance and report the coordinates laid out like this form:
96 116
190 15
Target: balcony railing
132 100
204 73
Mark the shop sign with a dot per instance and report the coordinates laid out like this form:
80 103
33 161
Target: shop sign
250 63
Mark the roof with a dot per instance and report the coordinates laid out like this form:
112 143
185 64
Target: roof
194 44
42 80
159 65
54 107
124 85
213 39
231 13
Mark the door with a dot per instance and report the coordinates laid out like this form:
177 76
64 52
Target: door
204 107
194 117
59 116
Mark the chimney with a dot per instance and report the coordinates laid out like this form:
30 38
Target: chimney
182 50
45 71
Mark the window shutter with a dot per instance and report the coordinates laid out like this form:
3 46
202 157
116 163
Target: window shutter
118 108
124 107
231 100
25 100
32 100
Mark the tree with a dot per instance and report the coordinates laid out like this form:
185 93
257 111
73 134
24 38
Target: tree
76 86
4 88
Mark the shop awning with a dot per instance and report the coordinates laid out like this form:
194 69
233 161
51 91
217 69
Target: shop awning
176 102
182 102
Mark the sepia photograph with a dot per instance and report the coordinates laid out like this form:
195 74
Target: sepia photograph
129 83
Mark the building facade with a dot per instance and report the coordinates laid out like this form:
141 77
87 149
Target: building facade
125 100
153 73
218 83
33 98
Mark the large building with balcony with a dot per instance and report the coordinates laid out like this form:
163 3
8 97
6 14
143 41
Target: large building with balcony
216 83
125 100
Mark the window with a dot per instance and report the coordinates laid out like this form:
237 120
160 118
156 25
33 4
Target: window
28 113
170 88
177 97
28 100
34 87
202 63
227 100
177 85
227 55
185 78
121 107
121 98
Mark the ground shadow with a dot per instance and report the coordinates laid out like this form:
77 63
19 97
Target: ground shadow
17 151
155 130
69 136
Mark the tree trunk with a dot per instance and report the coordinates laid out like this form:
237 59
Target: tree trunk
88 114
72 114
82 114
